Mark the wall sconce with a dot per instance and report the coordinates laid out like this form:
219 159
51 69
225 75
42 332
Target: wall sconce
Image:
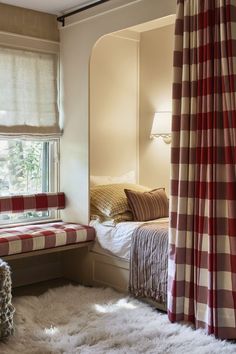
161 126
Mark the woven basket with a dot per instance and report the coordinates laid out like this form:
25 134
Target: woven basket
6 308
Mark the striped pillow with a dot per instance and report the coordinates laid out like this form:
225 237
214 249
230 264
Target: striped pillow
148 205
110 199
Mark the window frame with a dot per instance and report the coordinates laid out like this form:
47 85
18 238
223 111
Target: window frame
52 165
18 41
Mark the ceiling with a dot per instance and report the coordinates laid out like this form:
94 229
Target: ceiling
57 7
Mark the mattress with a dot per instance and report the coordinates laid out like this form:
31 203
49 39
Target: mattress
116 240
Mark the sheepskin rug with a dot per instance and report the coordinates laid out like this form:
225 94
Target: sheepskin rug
75 319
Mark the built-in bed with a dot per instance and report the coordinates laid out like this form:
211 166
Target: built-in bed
110 259
119 250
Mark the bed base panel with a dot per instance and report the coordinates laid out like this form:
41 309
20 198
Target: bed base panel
109 271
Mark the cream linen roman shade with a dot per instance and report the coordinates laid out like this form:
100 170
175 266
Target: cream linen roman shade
28 93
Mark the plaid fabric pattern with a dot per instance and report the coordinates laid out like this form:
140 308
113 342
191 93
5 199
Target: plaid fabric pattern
202 259
33 202
42 236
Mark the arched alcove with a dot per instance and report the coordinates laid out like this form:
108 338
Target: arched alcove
77 41
131 79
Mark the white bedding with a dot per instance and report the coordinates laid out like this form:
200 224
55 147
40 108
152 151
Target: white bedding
116 240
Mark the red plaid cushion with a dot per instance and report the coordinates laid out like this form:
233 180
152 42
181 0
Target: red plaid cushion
42 236
32 202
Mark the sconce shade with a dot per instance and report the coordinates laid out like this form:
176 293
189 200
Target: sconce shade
161 126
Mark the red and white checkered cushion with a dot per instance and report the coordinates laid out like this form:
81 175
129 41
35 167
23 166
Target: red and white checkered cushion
32 202
21 239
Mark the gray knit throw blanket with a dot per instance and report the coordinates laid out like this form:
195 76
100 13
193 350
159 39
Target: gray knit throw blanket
6 308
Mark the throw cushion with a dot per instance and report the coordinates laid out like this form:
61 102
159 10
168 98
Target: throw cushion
110 199
148 205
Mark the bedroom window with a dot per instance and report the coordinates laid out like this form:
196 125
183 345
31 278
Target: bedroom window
29 126
27 167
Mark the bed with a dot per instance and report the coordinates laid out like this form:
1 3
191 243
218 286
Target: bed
130 254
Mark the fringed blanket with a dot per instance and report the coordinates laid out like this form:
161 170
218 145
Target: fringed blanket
149 262
6 308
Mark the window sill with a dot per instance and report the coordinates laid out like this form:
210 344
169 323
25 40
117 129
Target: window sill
44 221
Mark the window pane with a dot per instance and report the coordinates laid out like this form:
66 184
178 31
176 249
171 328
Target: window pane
26 167
24 217
23 167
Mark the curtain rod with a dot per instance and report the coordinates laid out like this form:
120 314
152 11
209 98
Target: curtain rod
81 9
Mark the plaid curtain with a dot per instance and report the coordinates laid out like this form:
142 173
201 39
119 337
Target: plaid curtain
202 260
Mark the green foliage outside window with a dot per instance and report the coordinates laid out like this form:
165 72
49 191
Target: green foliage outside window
23 169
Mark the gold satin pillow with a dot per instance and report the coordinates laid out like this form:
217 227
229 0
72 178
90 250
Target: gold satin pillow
110 199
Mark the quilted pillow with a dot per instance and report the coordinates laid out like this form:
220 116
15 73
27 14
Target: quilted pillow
148 205
110 199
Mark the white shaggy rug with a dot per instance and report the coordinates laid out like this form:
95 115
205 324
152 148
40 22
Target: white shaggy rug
75 319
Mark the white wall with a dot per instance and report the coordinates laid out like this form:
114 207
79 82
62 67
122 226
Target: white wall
77 41
156 58
114 105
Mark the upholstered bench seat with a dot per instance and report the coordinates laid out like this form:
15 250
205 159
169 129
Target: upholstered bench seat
29 238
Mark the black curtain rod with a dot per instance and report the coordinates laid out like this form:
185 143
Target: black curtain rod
81 9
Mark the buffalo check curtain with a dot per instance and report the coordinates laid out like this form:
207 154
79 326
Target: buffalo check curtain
202 260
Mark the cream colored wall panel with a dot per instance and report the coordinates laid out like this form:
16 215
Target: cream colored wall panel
75 113
35 269
109 271
113 106
93 269
77 266
156 58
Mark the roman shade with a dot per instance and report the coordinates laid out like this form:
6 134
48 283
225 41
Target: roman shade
28 100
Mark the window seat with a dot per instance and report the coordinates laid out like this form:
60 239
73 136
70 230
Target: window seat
48 237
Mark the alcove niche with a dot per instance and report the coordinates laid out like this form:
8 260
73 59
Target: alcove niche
130 80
